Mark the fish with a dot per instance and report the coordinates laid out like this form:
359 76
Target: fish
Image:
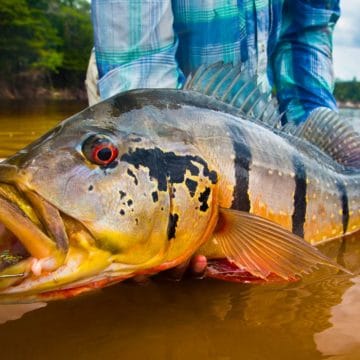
141 182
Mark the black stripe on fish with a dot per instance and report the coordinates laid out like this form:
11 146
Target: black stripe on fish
344 204
299 214
243 157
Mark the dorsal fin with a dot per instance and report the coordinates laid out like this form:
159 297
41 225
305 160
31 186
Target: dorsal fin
234 85
334 135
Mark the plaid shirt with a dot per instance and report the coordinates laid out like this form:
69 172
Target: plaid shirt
157 43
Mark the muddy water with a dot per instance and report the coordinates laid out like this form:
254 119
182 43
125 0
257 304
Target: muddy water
315 318
21 122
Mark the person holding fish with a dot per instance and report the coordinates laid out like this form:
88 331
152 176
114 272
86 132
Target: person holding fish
286 44
208 172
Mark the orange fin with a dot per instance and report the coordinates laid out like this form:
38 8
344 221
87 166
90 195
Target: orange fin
262 247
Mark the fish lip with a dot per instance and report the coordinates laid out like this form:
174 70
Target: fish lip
38 241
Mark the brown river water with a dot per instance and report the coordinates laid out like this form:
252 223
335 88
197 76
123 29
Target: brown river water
315 318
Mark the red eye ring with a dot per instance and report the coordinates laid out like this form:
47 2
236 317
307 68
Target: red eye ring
99 150
104 153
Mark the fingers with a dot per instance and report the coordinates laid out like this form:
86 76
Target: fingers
195 267
198 266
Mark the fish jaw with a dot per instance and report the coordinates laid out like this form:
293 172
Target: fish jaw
81 270
22 229
38 255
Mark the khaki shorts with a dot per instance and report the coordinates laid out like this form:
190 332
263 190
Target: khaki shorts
92 77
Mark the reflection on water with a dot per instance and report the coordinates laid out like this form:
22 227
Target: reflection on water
16 311
343 337
21 122
315 318
197 319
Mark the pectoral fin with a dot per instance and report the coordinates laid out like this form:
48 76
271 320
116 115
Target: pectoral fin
262 247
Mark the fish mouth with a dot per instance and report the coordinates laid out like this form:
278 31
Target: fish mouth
42 250
19 215
30 230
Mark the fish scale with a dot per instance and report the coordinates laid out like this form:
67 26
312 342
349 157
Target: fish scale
260 161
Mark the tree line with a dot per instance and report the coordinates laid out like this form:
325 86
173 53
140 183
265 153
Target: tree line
47 43
48 40
348 91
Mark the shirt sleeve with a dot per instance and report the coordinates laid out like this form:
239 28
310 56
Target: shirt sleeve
135 45
302 62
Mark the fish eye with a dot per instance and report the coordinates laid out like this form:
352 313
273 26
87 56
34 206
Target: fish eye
99 150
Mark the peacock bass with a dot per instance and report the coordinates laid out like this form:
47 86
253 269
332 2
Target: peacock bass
139 183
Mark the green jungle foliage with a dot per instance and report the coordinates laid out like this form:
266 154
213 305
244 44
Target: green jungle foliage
348 91
50 37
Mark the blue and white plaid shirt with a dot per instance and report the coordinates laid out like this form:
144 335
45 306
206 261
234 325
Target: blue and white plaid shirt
156 43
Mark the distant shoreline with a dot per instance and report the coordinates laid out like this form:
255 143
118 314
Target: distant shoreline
348 105
46 94
29 92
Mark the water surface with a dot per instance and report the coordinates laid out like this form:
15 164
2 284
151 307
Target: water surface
315 318
21 122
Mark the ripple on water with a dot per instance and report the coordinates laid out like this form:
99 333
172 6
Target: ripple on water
313 318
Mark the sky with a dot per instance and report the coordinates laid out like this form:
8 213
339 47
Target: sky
347 41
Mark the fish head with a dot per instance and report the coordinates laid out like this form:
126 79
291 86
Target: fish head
84 206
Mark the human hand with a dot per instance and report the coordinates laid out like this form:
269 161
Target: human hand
194 267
